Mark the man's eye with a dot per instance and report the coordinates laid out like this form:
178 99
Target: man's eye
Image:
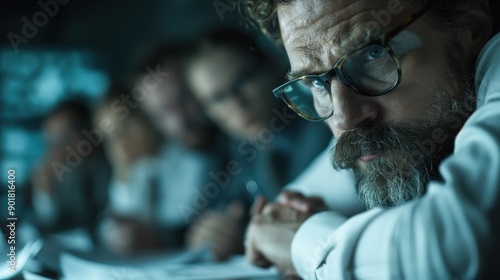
374 53
317 84
322 98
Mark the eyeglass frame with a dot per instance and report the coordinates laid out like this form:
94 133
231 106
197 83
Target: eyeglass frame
336 71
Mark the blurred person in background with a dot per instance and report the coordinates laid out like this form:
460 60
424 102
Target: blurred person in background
69 185
132 139
233 80
131 147
180 180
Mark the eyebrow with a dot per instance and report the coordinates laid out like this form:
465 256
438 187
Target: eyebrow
292 75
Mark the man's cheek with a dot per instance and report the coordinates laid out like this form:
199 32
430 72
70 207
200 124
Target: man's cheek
330 123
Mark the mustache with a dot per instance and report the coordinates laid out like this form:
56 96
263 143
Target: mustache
376 139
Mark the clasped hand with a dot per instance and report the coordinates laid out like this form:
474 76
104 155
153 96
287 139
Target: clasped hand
273 226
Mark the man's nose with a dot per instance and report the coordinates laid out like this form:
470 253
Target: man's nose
351 110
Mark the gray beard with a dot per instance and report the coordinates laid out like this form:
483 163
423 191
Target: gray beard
387 182
403 171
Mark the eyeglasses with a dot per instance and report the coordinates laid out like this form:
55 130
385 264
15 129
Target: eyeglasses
371 70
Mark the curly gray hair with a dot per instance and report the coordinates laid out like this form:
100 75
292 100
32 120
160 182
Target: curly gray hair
444 13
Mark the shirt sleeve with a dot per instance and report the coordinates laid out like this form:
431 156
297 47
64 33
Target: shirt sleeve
447 233
337 188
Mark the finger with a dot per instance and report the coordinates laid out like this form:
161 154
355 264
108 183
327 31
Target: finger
295 200
258 205
303 204
272 210
300 205
309 205
252 253
286 196
279 212
318 203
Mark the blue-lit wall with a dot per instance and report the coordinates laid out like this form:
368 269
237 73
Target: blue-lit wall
32 83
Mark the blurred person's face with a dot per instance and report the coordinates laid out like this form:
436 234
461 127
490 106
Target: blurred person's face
60 131
176 113
394 142
130 139
235 90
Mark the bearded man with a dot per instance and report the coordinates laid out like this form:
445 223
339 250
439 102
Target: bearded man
394 82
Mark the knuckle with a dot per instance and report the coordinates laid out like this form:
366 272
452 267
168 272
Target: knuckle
271 208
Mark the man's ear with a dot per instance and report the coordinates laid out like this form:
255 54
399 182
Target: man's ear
477 26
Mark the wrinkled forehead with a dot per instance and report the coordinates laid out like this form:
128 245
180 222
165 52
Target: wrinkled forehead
319 32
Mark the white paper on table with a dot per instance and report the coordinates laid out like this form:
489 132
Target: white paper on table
235 268
23 257
183 266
